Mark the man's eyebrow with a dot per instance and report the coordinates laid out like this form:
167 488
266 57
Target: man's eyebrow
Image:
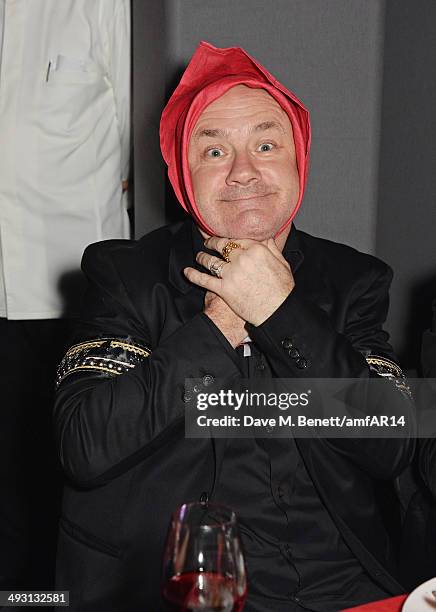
218 133
210 133
269 125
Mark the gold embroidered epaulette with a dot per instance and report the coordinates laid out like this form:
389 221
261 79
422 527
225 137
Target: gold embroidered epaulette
384 367
106 356
389 369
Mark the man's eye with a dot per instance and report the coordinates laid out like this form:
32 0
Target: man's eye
266 146
214 153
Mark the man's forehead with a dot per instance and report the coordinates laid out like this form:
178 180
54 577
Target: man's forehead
242 102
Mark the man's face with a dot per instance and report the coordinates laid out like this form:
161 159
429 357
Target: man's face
243 165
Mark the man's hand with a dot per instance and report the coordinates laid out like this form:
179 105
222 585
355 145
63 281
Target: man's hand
254 284
230 325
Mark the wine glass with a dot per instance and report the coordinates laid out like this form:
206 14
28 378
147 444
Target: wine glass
204 566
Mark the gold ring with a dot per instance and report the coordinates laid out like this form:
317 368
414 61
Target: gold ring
228 249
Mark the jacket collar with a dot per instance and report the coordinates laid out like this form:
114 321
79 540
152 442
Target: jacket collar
292 250
182 256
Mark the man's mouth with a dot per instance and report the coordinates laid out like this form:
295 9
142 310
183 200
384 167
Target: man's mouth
247 198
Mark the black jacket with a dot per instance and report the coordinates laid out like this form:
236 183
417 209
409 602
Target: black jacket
121 434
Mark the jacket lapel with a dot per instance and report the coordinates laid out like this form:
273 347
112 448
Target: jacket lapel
311 284
188 298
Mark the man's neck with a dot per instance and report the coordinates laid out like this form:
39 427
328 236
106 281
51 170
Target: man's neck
280 240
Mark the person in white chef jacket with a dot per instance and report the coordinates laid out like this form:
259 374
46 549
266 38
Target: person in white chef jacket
65 143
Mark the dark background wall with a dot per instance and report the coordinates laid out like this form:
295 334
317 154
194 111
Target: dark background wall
363 68
406 211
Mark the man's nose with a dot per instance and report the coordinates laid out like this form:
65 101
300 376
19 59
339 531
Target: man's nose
243 170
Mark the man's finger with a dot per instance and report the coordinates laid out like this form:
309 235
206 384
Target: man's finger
205 259
217 244
271 244
209 261
211 283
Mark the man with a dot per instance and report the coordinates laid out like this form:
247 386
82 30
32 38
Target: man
168 308
64 136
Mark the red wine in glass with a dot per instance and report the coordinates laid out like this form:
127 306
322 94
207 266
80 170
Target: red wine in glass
183 593
204 567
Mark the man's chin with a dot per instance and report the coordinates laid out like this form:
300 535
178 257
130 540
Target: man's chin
258 236
253 226
256 231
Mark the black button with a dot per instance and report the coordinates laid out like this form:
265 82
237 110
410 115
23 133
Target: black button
197 389
260 366
294 353
204 497
302 363
208 380
287 343
187 397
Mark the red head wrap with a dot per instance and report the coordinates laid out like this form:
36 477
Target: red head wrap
210 73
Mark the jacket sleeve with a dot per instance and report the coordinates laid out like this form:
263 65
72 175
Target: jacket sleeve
119 398
302 343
